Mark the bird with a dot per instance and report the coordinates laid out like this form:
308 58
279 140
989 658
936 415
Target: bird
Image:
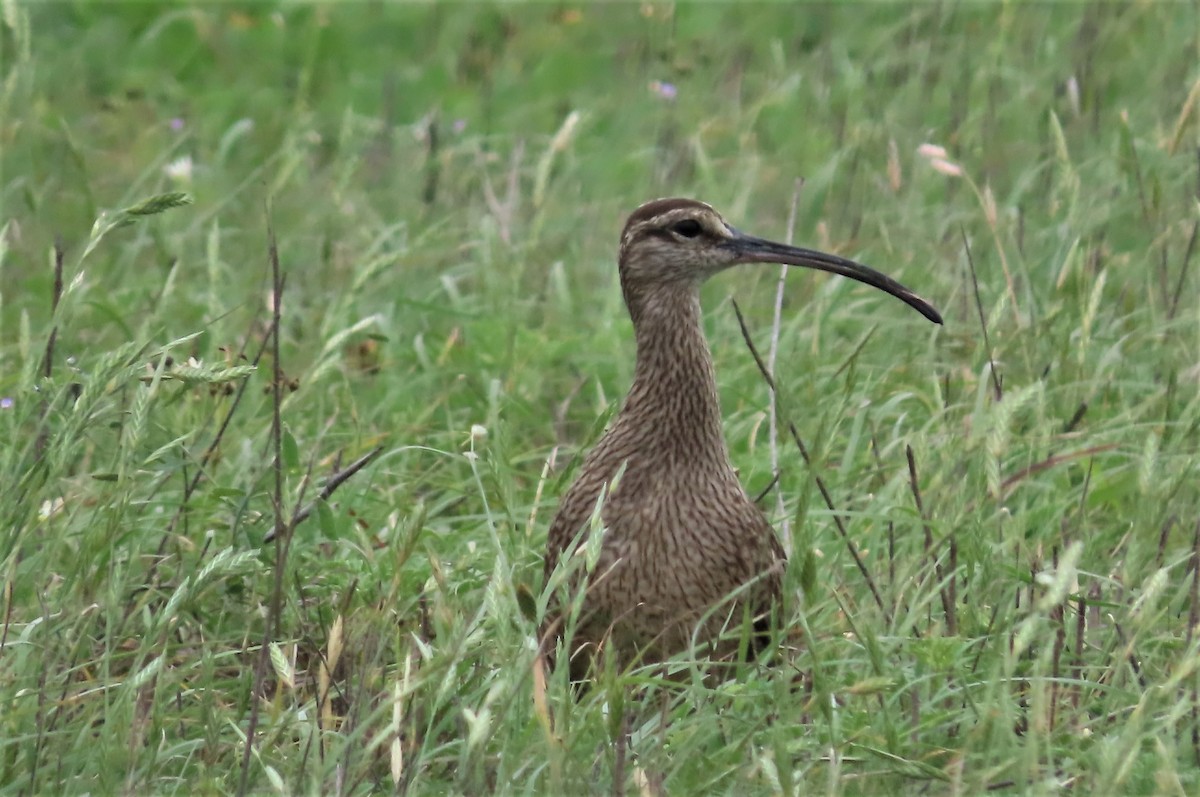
686 555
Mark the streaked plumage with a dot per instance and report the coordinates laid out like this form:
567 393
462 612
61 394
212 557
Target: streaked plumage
681 532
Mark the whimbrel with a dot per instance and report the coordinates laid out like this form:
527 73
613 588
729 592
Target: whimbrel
681 534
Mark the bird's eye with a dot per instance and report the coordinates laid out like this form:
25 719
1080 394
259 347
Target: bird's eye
688 228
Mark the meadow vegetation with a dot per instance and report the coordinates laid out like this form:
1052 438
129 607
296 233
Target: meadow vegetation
190 606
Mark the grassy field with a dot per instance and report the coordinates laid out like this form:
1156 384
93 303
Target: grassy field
446 184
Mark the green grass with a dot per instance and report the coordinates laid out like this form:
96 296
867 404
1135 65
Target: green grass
447 240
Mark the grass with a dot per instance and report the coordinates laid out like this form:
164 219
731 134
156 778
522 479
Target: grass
445 184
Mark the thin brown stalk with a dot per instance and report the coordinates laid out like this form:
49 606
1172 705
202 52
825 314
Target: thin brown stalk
1080 411
785 525
896 594
1080 632
892 555
952 584
331 484
8 609
1057 616
276 404
837 518
997 383
1021 231
143 706
758 499
433 162
915 714
1081 617
1164 271
987 634
55 298
944 590
357 703
211 450
43 436
1050 462
39 729
1131 656
505 212
191 485
1193 619
271 627
1183 270
1164 534
1137 174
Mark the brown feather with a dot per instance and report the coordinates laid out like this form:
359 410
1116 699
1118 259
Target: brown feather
686 554
681 532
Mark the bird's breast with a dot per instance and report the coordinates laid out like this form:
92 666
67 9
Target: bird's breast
682 540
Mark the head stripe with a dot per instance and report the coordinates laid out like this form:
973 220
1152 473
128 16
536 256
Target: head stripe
662 213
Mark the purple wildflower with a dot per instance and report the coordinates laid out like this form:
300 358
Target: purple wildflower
666 91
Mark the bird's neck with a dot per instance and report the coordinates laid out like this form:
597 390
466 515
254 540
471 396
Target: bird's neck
674 399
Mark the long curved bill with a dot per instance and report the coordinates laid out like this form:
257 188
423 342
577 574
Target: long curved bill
759 250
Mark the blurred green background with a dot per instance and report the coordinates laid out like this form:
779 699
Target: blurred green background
446 183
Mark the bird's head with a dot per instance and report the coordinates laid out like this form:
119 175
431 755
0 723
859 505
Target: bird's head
682 242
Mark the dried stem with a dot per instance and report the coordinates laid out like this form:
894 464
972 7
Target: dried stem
271 627
1049 462
1057 613
1193 619
8 610
1131 656
505 212
43 437
433 165
758 499
55 298
332 483
785 525
944 589
276 414
1080 411
997 388
1080 632
901 604
1183 270
214 444
837 518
